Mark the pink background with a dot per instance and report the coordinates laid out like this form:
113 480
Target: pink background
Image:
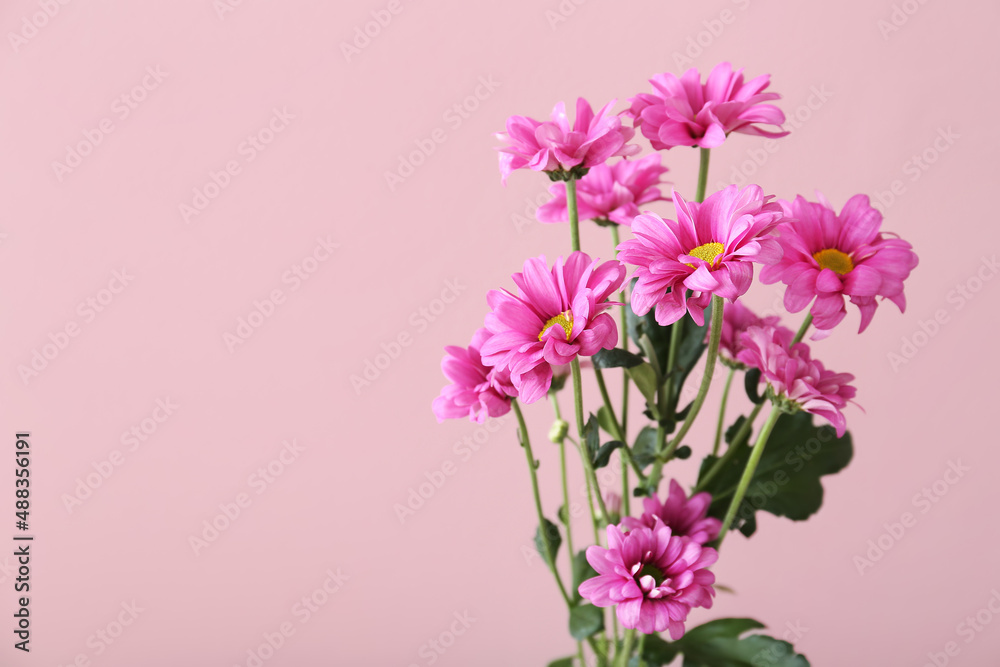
878 99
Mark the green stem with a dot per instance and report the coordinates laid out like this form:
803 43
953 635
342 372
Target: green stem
722 412
642 647
532 465
623 334
565 484
588 467
802 329
741 489
706 382
733 447
574 216
626 650
702 174
618 433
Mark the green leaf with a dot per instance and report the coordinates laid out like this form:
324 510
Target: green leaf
616 358
563 518
581 571
558 382
644 449
717 644
657 653
735 428
787 480
562 662
605 421
751 382
585 620
603 456
592 436
547 536
644 378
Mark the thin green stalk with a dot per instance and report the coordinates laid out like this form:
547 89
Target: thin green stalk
623 335
802 329
702 174
751 468
584 454
626 651
565 484
733 447
722 412
532 465
706 382
618 433
642 647
574 216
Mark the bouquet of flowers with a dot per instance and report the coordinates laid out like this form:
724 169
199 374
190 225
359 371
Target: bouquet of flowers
651 564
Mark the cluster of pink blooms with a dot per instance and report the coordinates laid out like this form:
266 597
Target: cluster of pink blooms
654 568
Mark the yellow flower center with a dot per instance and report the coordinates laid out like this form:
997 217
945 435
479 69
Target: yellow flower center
707 252
564 320
835 260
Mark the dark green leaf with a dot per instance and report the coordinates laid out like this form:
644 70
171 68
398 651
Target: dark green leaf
562 662
603 456
717 644
558 382
585 620
682 452
605 421
548 540
657 653
751 381
734 429
616 358
581 571
787 480
644 378
644 449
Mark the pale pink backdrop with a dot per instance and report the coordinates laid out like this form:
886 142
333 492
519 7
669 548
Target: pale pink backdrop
400 270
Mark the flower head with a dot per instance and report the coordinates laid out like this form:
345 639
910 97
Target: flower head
476 390
557 315
798 381
555 146
685 517
609 192
653 578
828 257
686 112
709 250
736 319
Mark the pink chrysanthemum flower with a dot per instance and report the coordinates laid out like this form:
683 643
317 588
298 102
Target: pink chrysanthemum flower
557 315
683 516
736 319
652 577
609 192
555 146
709 250
685 112
476 390
829 257
797 380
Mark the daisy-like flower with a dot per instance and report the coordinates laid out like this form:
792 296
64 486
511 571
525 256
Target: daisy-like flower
736 319
796 380
557 315
476 390
686 112
685 517
708 250
561 149
828 257
609 192
653 578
